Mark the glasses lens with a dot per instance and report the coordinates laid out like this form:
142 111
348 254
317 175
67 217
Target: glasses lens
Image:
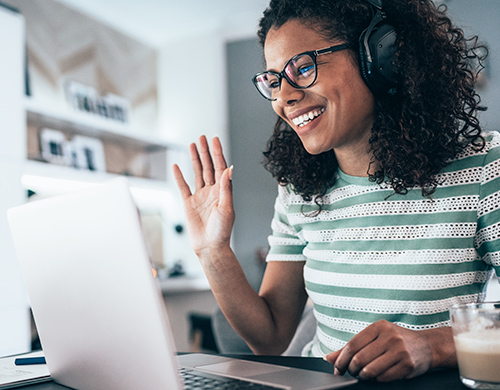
268 84
301 70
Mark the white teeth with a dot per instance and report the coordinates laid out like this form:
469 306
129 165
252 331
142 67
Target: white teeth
306 118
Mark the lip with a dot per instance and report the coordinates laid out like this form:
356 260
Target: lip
303 130
303 111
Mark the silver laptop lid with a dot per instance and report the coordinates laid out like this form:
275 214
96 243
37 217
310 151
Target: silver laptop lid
98 330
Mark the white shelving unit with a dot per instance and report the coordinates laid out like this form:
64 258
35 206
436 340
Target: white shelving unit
152 194
88 124
49 179
22 168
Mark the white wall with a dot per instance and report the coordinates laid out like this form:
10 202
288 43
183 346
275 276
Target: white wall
192 89
481 18
14 315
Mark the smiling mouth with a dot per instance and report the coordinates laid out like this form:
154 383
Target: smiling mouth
303 120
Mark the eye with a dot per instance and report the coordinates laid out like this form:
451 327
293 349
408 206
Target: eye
306 71
268 81
272 82
302 67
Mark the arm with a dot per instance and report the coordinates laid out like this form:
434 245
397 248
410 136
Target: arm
267 321
385 352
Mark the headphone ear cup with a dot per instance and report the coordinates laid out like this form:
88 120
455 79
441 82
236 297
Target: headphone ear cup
377 54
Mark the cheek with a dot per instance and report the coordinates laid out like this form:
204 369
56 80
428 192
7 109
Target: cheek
278 110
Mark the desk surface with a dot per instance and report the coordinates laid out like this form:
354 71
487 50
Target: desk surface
440 379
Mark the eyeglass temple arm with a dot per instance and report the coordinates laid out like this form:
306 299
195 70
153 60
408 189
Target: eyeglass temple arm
332 49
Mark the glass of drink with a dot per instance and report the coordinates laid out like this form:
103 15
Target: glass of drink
476 331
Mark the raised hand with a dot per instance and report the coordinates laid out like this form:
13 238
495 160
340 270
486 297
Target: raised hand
209 210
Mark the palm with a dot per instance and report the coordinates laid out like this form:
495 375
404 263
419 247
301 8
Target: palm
209 211
209 222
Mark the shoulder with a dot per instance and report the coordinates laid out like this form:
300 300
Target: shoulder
493 144
288 196
490 152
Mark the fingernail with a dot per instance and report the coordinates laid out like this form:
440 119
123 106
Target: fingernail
231 172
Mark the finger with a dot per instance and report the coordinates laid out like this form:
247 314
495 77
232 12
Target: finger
181 183
218 158
197 169
384 369
206 162
365 356
358 342
332 356
226 191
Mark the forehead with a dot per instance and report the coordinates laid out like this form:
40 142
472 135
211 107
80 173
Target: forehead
293 38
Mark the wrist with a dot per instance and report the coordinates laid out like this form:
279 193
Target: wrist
442 347
215 258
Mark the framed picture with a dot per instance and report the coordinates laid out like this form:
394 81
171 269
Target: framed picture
81 97
86 98
117 107
88 153
54 147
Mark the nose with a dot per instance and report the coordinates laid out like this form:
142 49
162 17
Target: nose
288 94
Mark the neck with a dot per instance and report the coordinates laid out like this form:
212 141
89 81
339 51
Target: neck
355 164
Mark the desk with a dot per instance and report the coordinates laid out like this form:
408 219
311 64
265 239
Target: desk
440 379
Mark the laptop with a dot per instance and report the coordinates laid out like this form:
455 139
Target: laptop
99 310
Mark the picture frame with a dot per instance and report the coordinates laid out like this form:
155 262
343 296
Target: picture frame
81 97
88 153
54 147
86 99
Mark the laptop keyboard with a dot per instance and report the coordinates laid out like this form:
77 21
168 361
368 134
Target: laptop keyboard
202 380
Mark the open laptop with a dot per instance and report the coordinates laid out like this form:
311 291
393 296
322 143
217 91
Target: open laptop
99 311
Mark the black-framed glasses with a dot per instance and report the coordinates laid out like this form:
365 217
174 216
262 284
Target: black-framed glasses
300 71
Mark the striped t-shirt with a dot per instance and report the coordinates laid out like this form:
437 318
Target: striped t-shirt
372 254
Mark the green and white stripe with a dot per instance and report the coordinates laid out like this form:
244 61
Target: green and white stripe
372 255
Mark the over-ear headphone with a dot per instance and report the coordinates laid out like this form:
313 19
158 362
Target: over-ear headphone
377 52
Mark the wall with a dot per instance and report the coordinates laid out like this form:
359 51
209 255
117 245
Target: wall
251 122
481 18
192 89
64 44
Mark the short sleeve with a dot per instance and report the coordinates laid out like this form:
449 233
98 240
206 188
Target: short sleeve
285 242
488 227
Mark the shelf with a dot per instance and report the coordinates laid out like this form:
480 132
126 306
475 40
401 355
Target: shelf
140 157
50 180
85 177
90 125
184 284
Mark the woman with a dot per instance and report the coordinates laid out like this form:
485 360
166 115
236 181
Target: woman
388 203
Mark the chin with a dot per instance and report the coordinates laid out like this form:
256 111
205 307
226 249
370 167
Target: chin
314 149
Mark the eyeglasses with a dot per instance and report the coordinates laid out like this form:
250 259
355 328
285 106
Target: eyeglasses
300 72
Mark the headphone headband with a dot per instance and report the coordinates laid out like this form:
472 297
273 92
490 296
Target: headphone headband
378 4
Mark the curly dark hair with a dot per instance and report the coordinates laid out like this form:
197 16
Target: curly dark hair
416 132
